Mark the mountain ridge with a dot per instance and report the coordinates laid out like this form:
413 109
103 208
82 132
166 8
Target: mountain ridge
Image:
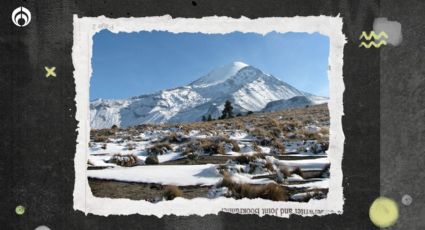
248 88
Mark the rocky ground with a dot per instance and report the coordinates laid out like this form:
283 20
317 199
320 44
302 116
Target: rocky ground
271 155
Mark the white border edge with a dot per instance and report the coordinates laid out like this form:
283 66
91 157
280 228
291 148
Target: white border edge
86 27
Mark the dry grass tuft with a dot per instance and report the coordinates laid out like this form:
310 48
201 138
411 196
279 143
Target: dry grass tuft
255 146
269 166
152 160
131 146
159 149
298 171
246 159
171 192
243 159
278 148
284 170
324 145
175 138
100 139
211 146
125 160
102 135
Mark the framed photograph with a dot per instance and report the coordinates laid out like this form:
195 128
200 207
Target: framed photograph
199 116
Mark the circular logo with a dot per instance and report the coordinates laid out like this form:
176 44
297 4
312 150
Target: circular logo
21 16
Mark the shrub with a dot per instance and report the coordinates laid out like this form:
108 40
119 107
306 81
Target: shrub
104 132
174 138
291 135
192 156
255 146
259 132
288 127
227 181
275 131
272 123
263 141
324 130
284 170
243 159
278 148
100 139
258 155
298 171
324 145
269 166
238 124
171 192
125 160
186 150
159 149
212 147
131 146
246 159
235 145
152 160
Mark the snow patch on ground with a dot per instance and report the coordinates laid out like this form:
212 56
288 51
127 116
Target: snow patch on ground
310 164
179 175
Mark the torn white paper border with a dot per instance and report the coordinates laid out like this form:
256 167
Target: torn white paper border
84 30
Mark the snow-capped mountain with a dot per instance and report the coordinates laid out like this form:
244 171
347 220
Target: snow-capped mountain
248 88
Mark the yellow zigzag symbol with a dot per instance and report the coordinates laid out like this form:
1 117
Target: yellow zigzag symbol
372 43
374 35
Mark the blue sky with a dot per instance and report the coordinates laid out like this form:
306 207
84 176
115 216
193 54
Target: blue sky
132 64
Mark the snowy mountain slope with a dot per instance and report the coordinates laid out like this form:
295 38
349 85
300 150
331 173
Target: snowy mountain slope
247 87
219 75
294 102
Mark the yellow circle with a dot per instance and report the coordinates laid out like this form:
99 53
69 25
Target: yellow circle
383 212
20 210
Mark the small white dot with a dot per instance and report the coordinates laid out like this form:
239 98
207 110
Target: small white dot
42 227
406 200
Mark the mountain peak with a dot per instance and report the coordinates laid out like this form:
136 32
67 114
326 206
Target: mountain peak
238 64
220 74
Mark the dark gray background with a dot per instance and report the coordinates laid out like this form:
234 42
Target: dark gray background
383 104
403 113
